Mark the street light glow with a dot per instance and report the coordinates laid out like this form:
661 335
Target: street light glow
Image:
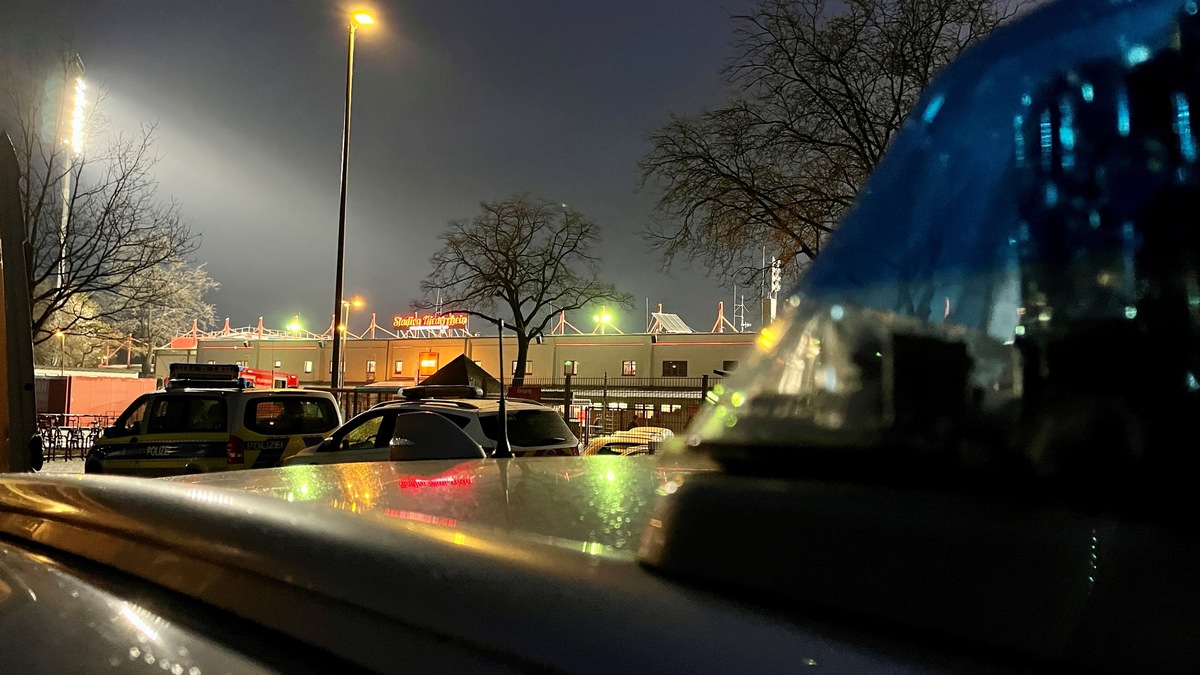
77 117
363 19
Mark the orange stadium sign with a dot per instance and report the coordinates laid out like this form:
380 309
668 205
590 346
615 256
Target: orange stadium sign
415 320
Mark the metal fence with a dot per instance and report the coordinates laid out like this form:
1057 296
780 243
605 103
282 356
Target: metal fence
592 405
602 405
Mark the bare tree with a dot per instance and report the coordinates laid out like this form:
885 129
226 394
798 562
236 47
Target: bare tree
93 217
820 90
527 257
176 300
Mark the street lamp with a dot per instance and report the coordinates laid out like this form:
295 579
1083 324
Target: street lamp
62 352
340 378
363 19
602 320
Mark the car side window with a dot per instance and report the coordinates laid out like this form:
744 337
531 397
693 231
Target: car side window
364 435
130 422
207 414
168 414
290 415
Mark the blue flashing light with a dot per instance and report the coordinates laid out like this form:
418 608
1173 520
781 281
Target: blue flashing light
1019 139
1122 112
932 109
1137 54
1046 138
1183 127
1051 194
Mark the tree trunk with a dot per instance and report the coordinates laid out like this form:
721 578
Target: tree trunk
522 356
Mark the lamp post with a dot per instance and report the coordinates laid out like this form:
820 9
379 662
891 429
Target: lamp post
62 352
340 343
359 19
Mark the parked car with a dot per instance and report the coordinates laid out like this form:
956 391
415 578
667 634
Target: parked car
208 419
534 430
932 463
635 441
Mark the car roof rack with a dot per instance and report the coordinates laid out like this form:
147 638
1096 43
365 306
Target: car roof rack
457 403
445 391
206 376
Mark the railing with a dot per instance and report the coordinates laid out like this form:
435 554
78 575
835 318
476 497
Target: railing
602 405
67 435
599 405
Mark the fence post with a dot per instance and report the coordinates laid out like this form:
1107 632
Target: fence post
567 395
703 386
604 415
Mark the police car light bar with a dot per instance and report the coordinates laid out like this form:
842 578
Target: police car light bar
207 375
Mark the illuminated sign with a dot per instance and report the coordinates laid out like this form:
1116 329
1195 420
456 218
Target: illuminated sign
450 320
427 363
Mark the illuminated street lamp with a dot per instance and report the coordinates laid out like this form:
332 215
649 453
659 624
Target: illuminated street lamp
603 321
62 352
74 143
363 19
340 378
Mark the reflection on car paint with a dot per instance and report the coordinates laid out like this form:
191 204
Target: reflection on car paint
107 633
612 498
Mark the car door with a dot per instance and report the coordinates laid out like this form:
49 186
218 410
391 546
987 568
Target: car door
164 434
363 439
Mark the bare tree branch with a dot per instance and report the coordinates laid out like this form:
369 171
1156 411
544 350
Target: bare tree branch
820 91
87 272
524 257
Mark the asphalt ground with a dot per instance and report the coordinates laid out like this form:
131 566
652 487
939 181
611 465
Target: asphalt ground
62 466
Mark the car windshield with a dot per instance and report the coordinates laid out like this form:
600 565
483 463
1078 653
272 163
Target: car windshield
530 428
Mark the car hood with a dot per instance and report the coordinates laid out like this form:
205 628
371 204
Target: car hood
525 563
599 504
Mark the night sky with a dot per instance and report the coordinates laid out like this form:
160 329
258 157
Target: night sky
455 103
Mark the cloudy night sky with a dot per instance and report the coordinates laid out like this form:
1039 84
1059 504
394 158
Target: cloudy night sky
455 103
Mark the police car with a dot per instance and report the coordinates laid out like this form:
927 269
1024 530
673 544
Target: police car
209 418
963 448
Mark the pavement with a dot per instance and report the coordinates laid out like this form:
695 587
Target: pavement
62 466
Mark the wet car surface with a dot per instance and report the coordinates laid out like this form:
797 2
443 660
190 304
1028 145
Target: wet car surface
599 504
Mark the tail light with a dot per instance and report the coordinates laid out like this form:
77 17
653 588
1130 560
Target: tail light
235 451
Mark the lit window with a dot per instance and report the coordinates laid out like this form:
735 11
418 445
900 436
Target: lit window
308 366
528 367
279 364
370 366
399 367
428 363
629 368
570 367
